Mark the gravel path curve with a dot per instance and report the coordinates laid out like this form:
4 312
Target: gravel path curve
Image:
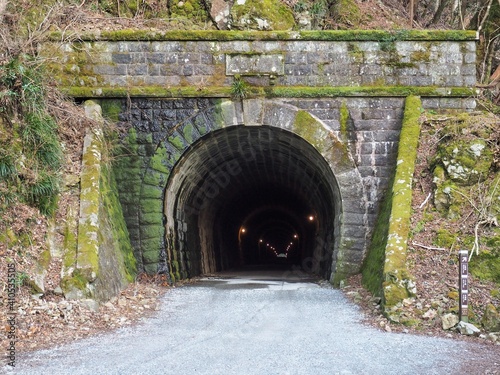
250 325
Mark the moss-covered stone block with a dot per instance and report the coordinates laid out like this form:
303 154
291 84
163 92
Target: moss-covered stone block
152 231
152 191
373 265
88 228
111 109
172 277
153 177
130 198
151 269
177 142
151 257
151 244
187 133
76 286
120 248
104 262
152 218
310 129
145 139
157 162
174 266
149 205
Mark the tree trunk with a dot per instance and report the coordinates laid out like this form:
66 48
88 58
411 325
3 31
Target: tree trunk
412 7
439 12
413 11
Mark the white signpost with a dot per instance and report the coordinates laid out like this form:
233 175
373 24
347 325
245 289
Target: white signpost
464 286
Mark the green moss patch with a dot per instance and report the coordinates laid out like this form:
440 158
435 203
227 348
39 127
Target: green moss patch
310 129
270 92
262 15
327 35
193 10
486 265
373 265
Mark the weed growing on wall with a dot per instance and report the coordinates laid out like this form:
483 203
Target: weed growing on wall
239 88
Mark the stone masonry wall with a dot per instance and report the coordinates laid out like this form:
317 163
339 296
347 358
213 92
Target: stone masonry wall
293 63
389 64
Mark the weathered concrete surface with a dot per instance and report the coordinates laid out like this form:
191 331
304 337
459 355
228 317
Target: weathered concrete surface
253 325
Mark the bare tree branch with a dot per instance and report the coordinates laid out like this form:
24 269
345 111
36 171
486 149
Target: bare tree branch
487 13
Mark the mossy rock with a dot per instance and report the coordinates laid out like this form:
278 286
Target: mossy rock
465 162
193 10
262 15
486 265
75 286
491 319
398 286
346 12
449 199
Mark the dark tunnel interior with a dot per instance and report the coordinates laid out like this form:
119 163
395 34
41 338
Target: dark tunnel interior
253 196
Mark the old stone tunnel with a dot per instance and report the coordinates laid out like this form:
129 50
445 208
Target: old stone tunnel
261 148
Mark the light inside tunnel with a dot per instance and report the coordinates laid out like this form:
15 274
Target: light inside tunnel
243 196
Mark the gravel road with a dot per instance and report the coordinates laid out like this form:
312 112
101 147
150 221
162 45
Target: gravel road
247 324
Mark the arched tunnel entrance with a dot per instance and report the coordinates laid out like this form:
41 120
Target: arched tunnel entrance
245 196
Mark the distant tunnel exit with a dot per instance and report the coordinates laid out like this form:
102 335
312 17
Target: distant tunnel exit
244 196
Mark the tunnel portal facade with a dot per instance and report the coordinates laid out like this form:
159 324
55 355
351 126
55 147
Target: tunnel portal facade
246 148
257 181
